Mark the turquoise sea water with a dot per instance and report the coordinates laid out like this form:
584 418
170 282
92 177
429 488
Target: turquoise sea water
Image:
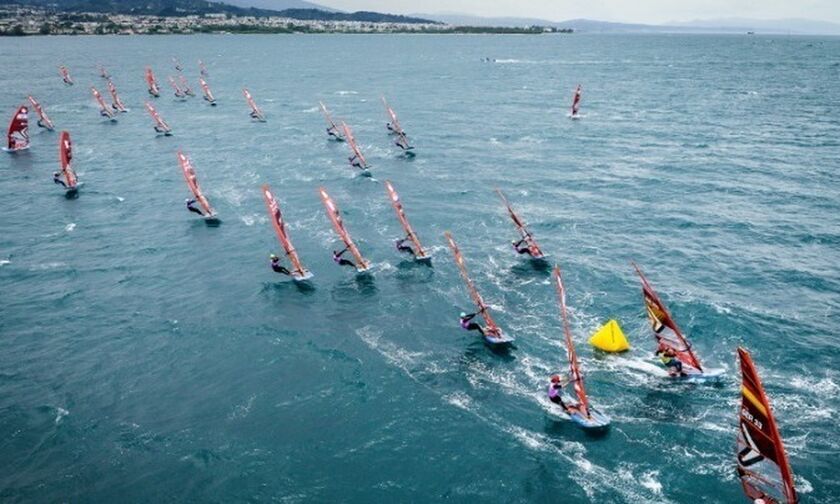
146 357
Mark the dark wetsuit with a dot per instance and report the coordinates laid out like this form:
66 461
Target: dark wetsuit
341 261
471 326
278 268
402 142
59 181
401 247
523 250
193 209
333 132
354 160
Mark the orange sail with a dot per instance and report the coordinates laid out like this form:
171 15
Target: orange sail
256 113
151 82
104 109
65 155
335 216
394 125
116 103
65 75
762 462
357 159
524 233
332 128
160 124
574 368
409 231
192 182
43 119
282 235
205 88
664 328
17 137
492 328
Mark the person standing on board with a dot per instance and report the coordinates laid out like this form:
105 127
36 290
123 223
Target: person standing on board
340 260
354 161
576 101
277 267
468 325
669 357
555 393
57 179
191 207
333 132
522 250
401 141
402 247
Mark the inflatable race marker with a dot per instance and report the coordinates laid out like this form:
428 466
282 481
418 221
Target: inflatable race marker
610 338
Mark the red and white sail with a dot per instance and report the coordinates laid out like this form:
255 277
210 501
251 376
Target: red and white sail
65 156
208 95
763 466
151 82
282 234
65 75
524 233
357 159
664 328
179 93
490 324
17 137
103 72
409 231
332 128
574 368
256 113
44 120
576 100
185 86
160 124
104 109
335 217
192 183
116 103
394 125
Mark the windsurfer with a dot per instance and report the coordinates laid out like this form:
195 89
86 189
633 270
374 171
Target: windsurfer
669 358
555 393
340 260
57 179
333 132
401 141
277 267
522 250
354 160
402 247
191 207
468 325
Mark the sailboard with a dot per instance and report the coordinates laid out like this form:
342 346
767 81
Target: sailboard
17 137
160 125
576 102
104 110
583 413
357 159
334 214
333 130
43 119
192 183
179 93
65 156
65 75
151 82
256 113
116 103
667 333
185 86
763 465
524 233
208 95
420 254
493 334
299 273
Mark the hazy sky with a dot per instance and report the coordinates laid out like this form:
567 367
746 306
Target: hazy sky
640 11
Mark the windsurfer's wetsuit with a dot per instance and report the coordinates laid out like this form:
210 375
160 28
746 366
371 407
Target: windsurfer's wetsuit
402 142
354 161
57 180
191 208
341 261
523 250
41 124
160 130
278 268
333 132
401 247
555 394
471 326
670 360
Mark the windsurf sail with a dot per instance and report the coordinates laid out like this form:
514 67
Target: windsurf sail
202 69
394 125
185 86
65 75
762 462
208 95
524 233
154 89
192 182
357 159
332 129
65 155
160 124
177 64
43 119
104 110
179 93
335 216
409 232
574 368
104 73
282 235
256 113
664 328
116 103
17 137
476 297
576 100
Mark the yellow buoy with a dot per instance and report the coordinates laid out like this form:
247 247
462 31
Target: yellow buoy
610 338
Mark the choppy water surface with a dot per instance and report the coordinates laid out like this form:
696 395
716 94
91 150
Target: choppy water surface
146 357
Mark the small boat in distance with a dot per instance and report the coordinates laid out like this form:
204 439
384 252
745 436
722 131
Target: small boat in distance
65 156
151 82
43 119
17 137
160 125
104 110
65 75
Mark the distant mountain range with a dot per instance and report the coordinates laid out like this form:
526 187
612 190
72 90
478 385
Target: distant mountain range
727 25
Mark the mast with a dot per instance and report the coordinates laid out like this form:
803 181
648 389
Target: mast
520 226
574 367
474 294
280 229
335 217
398 208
